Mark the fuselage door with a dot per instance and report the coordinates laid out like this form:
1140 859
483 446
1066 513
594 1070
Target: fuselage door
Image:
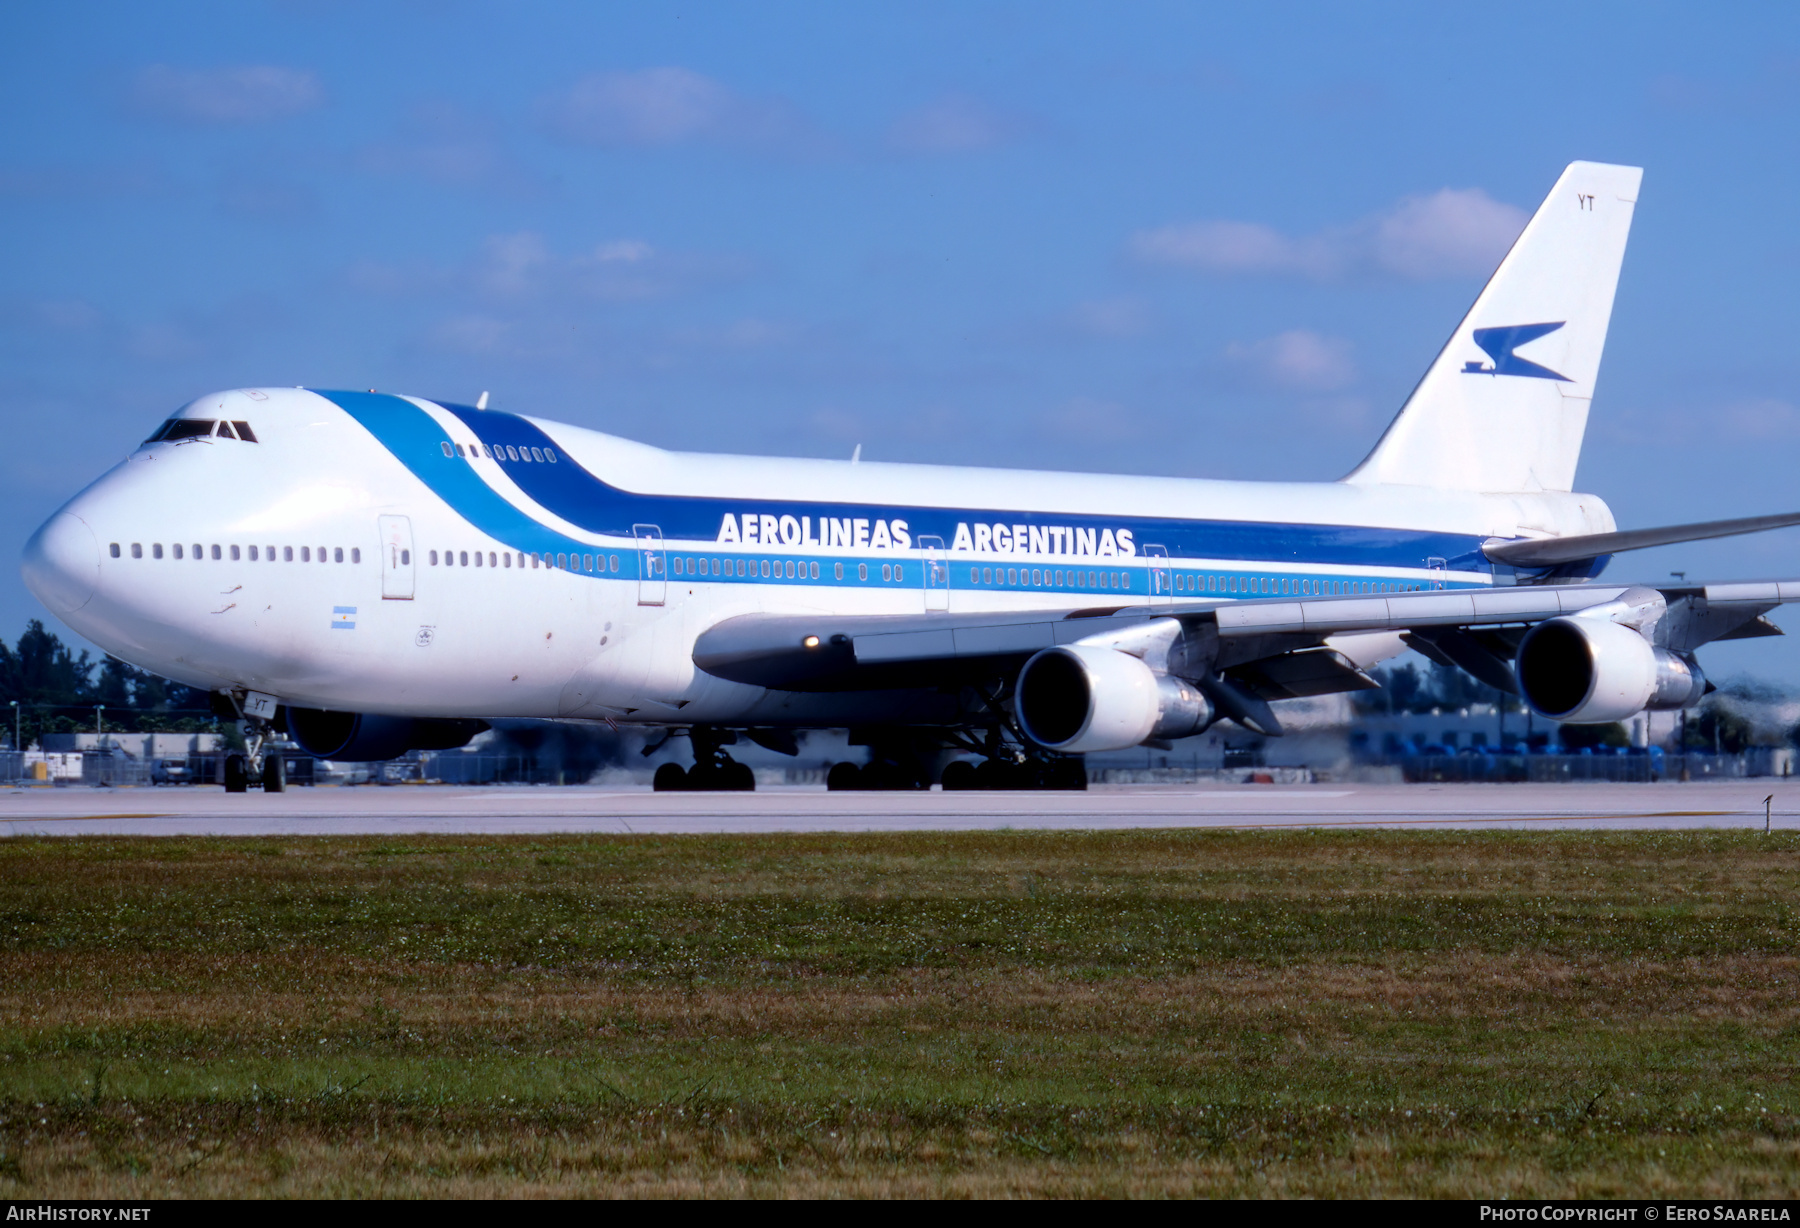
1161 588
396 558
653 572
937 574
1437 566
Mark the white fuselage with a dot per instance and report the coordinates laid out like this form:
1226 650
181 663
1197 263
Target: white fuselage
576 586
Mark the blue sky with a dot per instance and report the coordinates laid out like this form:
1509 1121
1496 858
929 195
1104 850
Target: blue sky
1182 239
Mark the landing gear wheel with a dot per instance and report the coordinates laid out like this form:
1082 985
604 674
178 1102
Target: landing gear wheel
959 774
882 777
274 774
737 776
996 774
670 778
1068 774
843 777
237 776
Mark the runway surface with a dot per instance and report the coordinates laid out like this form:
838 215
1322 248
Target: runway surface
408 809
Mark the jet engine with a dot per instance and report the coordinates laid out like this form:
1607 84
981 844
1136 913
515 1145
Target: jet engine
1078 698
1591 671
360 737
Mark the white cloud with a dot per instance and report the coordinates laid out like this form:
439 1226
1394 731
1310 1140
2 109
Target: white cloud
1765 418
268 200
441 142
657 106
166 342
954 123
670 106
1756 419
513 265
473 334
1450 233
1299 359
68 315
757 334
523 270
628 250
1111 317
1087 418
243 94
1233 247
90 182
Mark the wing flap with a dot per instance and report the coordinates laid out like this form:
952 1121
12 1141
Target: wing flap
1400 611
1302 675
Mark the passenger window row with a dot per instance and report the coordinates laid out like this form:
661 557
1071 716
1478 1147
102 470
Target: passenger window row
1192 582
1188 582
499 452
778 569
307 554
509 558
202 428
1048 578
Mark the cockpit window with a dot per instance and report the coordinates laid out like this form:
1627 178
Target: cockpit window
200 428
184 428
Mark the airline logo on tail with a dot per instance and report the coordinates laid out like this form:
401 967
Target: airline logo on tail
1499 343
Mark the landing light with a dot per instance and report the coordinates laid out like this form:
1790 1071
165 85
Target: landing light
811 641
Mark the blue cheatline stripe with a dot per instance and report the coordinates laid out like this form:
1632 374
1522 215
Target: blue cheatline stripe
576 495
413 436
690 523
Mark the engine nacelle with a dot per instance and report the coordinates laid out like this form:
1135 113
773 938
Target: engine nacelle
1078 698
1591 671
360 737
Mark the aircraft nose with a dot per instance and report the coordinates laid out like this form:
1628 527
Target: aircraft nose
62 563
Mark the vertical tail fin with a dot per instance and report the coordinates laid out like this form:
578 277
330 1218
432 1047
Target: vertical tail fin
1505 405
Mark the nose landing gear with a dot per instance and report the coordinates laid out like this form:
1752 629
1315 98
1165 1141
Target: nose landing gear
259 764
265 768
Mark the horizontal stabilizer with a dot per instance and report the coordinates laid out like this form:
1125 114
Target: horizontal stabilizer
1549 551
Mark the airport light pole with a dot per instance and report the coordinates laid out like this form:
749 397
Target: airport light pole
18 733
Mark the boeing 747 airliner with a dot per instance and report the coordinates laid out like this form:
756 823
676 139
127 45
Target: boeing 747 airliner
370 573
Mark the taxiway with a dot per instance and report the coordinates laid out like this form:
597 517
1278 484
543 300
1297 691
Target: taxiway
403 809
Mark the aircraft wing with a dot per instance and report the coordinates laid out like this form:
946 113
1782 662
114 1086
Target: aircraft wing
1274 648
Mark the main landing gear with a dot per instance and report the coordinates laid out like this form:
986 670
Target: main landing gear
1058 772
713 770
1050 772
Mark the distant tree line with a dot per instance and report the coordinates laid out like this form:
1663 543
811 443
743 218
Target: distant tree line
1722 723
56 690
1408 688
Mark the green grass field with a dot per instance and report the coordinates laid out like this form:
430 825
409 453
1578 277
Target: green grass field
1543 1014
